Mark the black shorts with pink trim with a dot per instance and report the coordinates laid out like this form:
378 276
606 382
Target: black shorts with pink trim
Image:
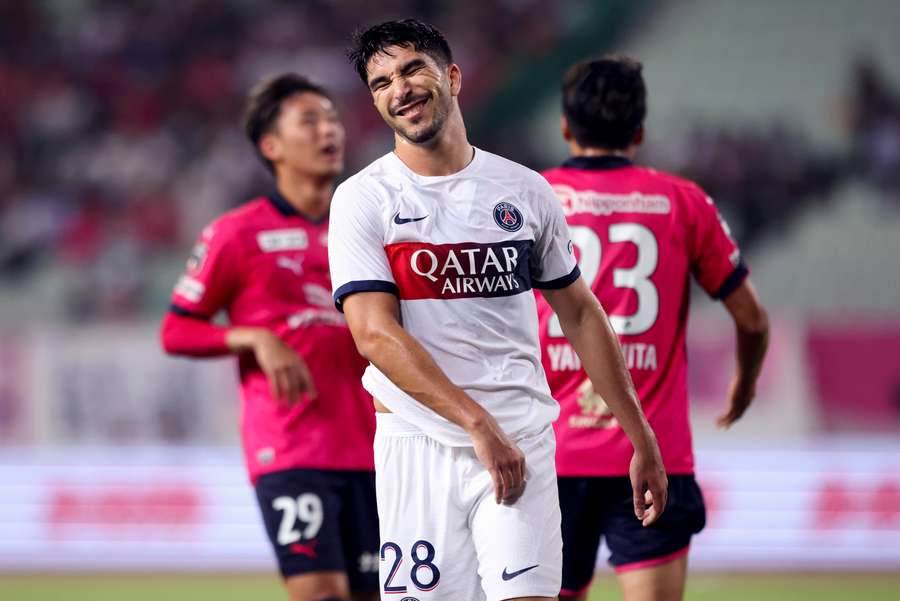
322 521
598 508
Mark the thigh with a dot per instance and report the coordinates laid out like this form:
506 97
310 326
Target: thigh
582 524
519 546
301 511
633 546
426 549
359 528
661 582
315 586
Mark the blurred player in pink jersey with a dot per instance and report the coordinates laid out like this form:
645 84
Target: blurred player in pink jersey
640 235
306 423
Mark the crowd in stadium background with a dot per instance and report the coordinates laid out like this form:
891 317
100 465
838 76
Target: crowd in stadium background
120 138
124 138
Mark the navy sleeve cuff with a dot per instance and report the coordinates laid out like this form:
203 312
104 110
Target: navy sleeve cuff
558 283
362 286
182 312
732 282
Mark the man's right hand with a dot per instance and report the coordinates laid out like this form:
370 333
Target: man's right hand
502 458
286 371
740 394
649 484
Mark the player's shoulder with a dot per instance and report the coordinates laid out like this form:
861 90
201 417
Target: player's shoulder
682 186
496 166
232 223
373 182
521 182
644 177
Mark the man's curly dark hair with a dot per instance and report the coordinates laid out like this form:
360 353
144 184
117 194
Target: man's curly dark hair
411 33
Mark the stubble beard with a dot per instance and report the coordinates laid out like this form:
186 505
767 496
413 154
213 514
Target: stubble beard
427 134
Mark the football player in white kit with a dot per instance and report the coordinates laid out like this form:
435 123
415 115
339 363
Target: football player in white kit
434 249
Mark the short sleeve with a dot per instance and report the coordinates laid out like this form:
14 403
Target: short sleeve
553 264
356 253
716 261
211 276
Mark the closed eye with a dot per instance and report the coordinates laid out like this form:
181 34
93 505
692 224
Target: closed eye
412 66
378 83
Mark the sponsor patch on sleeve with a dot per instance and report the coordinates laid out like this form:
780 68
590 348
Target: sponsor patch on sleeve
198 256
190 288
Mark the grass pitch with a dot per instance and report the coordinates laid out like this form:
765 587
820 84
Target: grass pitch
267 587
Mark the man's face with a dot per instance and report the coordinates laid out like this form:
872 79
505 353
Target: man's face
308 136
412 92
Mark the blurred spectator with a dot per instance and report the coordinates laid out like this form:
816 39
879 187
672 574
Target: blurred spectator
760 175
121 128
874 116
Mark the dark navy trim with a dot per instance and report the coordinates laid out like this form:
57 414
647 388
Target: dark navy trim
182 312
362 286
558 283
732 282
596 163
287 209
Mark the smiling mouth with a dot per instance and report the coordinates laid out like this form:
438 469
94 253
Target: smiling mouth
330 150
411 107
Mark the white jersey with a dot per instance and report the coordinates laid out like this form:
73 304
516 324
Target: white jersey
462 253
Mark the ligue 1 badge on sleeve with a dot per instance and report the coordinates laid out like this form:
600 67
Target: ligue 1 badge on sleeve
508 217
198 254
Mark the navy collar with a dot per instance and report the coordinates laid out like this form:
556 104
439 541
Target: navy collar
608 161
287 209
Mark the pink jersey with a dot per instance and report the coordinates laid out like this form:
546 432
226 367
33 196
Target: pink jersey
639 235
267 266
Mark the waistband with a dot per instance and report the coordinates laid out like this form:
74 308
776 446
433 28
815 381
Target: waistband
391 424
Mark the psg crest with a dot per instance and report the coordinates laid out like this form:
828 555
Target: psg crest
508 217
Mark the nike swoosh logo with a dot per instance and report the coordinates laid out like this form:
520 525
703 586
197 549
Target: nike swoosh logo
510 575
401 220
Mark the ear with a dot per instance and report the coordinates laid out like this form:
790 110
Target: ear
455 76
639 136
564 128
270 147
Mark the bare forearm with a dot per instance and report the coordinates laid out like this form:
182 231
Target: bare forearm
407 364
751 322
597 346
192 337
751 350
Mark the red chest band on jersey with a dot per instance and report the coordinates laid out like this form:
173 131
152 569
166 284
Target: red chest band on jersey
463 270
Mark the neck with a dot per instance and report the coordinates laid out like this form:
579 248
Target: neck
446 154
577 150
310 196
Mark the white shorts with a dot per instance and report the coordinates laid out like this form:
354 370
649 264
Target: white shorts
444 537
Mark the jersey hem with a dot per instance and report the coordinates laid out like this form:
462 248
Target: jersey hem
257 474
616 474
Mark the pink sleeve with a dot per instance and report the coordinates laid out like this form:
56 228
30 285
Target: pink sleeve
716 261
212 274
192 336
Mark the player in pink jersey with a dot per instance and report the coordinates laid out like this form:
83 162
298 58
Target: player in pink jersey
306 423
640 234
